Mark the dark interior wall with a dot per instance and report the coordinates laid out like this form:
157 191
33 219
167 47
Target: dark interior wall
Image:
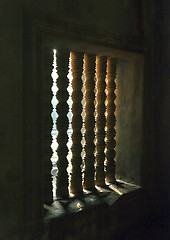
119 17
111 19
11 118
164 100
155 165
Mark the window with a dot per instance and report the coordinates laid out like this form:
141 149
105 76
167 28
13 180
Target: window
91 134
94 129
37 123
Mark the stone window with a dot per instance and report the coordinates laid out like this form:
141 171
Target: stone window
105 129
92 151
106 122
91 57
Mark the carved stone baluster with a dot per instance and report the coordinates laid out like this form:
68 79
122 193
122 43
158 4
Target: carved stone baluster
89 70
62 123
76 69
100 119
110 121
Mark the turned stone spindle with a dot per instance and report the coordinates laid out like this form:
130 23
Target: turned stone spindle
76 69
89 159
110 121
100 119
62 122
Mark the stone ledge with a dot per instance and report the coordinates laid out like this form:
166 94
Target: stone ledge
95 215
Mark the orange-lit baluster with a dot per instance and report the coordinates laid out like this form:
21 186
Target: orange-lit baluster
89 70
100 119
76 69
110 121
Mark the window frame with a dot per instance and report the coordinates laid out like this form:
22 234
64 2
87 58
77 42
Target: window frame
39 37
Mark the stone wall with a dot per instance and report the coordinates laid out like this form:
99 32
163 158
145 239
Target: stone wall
121 18
129 115
120 21
11 120
98 216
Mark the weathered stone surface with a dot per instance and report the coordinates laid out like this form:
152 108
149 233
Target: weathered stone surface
95 215
129 115
123 24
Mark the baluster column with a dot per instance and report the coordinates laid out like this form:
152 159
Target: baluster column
110 121
100 119
89 70
76 175
62 123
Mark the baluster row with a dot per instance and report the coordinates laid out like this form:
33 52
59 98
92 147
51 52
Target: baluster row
99 121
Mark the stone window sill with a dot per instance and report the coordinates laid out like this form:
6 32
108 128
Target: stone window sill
95 215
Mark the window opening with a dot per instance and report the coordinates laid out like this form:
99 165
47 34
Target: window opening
83 120
54 144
